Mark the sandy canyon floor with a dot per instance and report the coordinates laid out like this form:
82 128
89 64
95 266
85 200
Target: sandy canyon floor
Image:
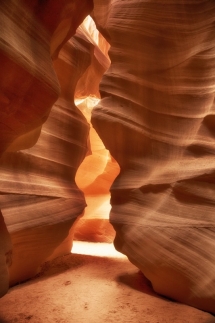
81 288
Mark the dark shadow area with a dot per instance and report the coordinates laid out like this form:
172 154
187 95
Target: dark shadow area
139 282
3 320
211 320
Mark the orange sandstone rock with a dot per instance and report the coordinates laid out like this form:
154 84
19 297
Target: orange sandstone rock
98 170
157 118
48 200
37 183
88 84
95 177
5 256
30 34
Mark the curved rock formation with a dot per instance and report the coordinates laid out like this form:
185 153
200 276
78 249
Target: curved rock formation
157 119
88 84
98 170
28 89
94 177
41 200
28 35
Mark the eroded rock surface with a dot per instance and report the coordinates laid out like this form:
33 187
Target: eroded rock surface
37 186
41 200
5 256
98 170
157 119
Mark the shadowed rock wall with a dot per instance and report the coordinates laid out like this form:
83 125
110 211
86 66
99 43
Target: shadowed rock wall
157 119
38 185
39 194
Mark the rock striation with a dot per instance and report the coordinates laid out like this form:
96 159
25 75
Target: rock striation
37 186
29 39
157 119
40 199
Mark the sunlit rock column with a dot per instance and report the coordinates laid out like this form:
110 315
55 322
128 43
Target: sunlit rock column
29 36
157 119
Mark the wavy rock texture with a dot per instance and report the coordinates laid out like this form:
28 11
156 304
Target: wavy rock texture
157 118
28 35
88 84
41 200
37 186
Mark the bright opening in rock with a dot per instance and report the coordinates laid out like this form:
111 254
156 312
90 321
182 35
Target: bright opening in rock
94 177
96 249
98 170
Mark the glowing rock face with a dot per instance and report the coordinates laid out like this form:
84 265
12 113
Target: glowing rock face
87 85
156 117
98 170
95 177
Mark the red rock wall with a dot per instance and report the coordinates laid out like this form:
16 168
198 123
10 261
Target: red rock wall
43 176
31 34
157 118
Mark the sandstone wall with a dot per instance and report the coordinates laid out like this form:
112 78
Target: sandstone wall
157 119
37 186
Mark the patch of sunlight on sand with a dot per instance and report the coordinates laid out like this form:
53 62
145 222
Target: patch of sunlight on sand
99 249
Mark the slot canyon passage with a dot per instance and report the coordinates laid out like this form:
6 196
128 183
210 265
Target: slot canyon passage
107 100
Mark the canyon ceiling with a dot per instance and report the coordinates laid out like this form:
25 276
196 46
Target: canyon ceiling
152 63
